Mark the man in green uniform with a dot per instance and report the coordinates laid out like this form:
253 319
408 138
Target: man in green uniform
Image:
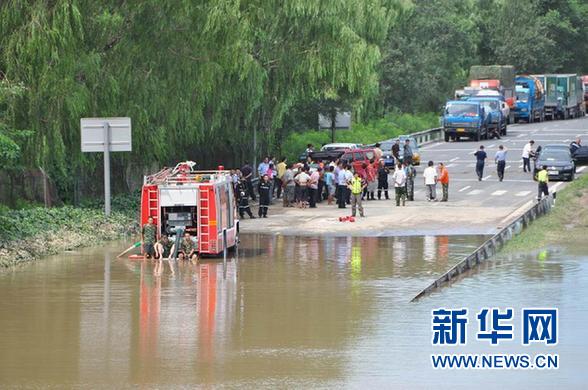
542 180
188 248
148 238
163 249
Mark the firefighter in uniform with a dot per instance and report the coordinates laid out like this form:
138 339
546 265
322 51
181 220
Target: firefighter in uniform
264 196
243 198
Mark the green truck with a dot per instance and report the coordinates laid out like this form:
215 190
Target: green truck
563 95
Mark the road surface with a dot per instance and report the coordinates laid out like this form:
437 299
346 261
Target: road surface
474 207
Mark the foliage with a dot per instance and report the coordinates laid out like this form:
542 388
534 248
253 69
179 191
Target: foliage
374 131
30 222
197 78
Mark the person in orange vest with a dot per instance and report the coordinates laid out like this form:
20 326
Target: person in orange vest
444 180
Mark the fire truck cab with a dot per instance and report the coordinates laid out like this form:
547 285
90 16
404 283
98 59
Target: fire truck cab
201 203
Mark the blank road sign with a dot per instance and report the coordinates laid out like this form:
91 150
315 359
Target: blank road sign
93 134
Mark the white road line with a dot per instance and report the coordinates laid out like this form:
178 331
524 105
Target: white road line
475 192
556 186
499 192
581 169
464 188
453 159
506 167
520 166
487 177
449 165
523 193
520 135
491 146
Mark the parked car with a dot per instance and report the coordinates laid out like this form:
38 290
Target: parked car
559 162
358 157
341 145
580 156
465 119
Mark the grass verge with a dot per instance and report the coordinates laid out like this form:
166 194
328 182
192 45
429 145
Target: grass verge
28 234
567 223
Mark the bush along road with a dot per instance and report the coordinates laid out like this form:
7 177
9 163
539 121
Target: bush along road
27 234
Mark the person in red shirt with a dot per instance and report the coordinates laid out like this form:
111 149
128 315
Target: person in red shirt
444 180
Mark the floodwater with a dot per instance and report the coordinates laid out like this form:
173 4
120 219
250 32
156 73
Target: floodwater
287 313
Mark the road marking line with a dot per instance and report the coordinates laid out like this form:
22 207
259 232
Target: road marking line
581 169
464 188
523 193
491 146
475 192
449 165
506 167
487 177
453 159
520 135
499 192
520 166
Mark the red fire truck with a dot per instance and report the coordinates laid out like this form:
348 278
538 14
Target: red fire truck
202 203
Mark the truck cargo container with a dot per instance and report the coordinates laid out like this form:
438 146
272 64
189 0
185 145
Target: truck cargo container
585 88
553 100
500 78
530 102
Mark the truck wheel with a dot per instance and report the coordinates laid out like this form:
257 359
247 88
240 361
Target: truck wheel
446 137
477 136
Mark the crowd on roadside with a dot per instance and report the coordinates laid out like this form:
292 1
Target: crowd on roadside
306 184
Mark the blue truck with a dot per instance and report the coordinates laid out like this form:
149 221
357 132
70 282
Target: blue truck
465 119
493 109
530 103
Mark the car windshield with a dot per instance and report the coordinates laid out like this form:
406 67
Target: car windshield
555 155
522 97
461 109
386 146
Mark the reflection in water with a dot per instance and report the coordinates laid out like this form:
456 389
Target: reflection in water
288 312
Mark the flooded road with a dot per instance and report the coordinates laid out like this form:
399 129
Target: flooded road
289 312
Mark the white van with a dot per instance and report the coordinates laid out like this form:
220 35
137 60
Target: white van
343 145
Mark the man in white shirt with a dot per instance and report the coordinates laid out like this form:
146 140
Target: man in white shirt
302 180
399 178
430 175
527 154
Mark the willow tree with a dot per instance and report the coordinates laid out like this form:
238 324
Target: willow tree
197 78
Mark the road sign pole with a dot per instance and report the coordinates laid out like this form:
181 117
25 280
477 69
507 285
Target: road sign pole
106 169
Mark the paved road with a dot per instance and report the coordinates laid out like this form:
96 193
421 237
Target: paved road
474 207
517 187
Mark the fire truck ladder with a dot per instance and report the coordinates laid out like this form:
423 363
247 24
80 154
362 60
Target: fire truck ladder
153 203
203 220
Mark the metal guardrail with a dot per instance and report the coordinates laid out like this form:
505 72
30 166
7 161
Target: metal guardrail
491 246
427 136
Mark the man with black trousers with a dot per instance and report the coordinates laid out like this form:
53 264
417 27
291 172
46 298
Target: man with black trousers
247 172
480 161
264 190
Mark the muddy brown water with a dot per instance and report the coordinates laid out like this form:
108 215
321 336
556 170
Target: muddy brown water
288 312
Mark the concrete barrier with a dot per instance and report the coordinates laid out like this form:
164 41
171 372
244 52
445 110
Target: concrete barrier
491 246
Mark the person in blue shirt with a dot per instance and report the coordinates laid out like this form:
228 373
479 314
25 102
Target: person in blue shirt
263 167
480 160
500 160
330 184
